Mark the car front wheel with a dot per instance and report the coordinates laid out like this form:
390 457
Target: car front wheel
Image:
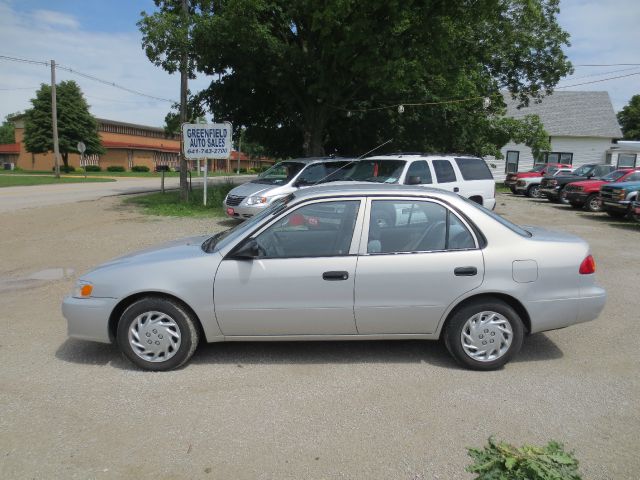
593 203
157 333
484 334
534 191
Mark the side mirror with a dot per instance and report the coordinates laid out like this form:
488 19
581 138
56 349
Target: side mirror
413 180
247 251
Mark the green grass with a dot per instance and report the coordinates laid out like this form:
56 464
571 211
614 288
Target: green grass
169 204
16 181
502 188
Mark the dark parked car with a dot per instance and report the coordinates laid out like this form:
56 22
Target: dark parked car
586 193
552 187
617 198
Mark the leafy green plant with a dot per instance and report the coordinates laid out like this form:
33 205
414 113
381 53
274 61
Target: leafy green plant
139 168
92 168
115 168
502 461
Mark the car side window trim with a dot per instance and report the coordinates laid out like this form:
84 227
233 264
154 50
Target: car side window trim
473 231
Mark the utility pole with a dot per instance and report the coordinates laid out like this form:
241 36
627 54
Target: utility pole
184 78
54 119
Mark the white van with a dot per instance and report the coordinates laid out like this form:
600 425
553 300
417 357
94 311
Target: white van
466 175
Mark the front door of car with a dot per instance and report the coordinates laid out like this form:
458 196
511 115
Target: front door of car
413 264
301 280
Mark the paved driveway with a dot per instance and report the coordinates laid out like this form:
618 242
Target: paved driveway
360 410
15 198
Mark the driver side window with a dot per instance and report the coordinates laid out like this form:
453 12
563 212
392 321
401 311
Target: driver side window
323 229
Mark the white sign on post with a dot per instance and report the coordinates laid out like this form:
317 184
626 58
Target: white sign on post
211 140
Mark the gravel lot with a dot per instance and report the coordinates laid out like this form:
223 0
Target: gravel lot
401 410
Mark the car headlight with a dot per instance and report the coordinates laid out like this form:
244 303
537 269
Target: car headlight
82 290
620 194
257 200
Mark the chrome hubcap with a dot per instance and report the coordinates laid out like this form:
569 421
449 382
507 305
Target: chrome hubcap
154 336
486 336
594 204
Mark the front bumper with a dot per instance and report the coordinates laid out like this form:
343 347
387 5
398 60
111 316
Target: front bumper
241 212
88 318
552 193
579 198
521 189
621 205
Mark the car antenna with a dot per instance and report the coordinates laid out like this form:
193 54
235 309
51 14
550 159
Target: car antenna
353 161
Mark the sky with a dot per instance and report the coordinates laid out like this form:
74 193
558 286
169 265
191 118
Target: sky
101 38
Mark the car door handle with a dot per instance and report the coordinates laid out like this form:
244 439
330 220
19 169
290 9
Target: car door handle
465 271
456 189
335 276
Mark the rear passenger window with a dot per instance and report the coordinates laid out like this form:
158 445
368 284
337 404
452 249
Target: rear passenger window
474 169
419 169
444 171
399 226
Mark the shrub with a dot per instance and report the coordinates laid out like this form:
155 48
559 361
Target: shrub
502 461
92 168
115 168
65 169
139 168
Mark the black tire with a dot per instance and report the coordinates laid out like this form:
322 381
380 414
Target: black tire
534 191
616 213
575 205
593 203
185 326
456 323
513 190
560 199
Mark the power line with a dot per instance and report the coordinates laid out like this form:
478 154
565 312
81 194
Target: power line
17 88
605 64
601 74
598 81
88 76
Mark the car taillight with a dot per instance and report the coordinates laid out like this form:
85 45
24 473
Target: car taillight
588 266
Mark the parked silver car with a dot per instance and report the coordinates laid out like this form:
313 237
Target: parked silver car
343 262
280 180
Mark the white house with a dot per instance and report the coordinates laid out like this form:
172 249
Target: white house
582 128
624 154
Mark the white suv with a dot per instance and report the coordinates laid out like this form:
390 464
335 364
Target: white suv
466 175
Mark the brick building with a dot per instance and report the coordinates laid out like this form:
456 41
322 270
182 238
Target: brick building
126 145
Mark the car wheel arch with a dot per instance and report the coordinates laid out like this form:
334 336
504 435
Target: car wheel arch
508 299
126 302
477 198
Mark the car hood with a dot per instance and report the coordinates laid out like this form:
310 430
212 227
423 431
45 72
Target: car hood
629 185
250 188
175 250
588 183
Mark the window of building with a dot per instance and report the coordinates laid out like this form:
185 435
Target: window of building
627 160
556 157
511 163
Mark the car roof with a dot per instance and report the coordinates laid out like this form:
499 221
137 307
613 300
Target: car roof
368 188
421 156
318 160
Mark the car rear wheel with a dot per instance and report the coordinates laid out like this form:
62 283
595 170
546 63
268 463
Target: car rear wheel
157 334
484 334
593 203
534 191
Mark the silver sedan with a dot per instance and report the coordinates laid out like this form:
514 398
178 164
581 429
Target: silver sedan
344 262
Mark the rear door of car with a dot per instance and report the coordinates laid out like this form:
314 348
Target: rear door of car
416 257
446 177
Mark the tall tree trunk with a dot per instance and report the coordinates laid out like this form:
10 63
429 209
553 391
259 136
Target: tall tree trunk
314 130
65 160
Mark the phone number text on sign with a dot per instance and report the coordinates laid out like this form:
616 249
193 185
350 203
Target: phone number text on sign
207 141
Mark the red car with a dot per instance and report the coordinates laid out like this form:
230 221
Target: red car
587 192
537 171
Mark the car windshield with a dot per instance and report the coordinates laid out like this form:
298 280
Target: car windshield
503 221
280 174
584 170
615 175
221 239
538 168
379 171
552 171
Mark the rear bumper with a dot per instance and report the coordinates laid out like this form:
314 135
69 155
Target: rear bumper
490 203
88 318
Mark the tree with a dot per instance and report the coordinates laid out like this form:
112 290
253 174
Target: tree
310 76
629 118
7 130
75 123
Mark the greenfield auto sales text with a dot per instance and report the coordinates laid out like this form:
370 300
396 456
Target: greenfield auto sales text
207 138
